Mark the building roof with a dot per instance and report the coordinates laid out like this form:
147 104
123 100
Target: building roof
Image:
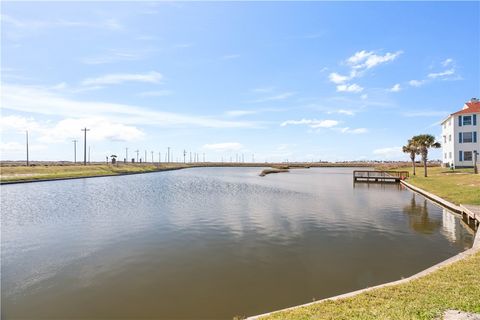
473 106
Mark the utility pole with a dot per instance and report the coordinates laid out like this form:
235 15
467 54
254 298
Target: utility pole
145 156
28 162
137 151
159 157
190 156
85 147
168 155
75 150
184 155
126 154
152 157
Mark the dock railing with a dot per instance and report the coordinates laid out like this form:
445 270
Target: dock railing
379 176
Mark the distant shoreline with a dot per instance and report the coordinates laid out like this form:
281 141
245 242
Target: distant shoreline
14 172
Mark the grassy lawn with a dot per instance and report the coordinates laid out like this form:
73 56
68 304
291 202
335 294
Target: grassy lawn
456 286
459 186
45 172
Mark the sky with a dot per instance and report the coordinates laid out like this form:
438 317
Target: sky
272 81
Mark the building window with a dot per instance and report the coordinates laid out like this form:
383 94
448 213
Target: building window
449 137
445 155
444 139
467 120
460 155
467 137
450 155
467 156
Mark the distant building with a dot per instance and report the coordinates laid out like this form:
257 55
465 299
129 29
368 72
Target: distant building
461 136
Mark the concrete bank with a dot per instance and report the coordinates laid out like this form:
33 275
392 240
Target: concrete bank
474 249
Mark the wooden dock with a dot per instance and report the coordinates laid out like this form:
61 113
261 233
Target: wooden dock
379 176
471 214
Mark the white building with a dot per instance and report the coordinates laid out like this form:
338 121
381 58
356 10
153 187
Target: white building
461 136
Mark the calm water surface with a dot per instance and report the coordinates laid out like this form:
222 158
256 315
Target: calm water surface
210 243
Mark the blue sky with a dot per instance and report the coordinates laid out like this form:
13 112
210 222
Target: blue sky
280 80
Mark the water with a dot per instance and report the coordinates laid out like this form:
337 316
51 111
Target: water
210 243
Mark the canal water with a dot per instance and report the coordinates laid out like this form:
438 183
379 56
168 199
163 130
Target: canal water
210 243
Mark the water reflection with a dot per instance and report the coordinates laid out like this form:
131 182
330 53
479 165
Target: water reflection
209 242
419 218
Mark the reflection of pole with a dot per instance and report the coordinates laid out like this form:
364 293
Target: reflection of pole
28 162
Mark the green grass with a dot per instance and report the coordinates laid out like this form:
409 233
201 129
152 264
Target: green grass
456 286
46 172
459 186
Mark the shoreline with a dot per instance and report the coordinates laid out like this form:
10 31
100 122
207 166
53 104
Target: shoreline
458 257
179 166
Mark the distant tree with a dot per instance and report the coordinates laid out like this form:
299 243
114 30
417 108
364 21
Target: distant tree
114 158
425 142
412 150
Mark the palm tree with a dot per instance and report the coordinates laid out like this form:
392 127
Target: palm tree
425 142
412 151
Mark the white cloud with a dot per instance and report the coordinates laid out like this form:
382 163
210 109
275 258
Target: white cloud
240 113
18 123
388 153
222 147
353 131
369 59
396 88
349 88
342 111
337 78
443 74
417 83
312 123
157 93
44 101
280 96
48 132
447 62
113 56
100 129
364 96
116 78
359 63
263 89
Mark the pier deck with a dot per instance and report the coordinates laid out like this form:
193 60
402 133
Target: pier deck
379 176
